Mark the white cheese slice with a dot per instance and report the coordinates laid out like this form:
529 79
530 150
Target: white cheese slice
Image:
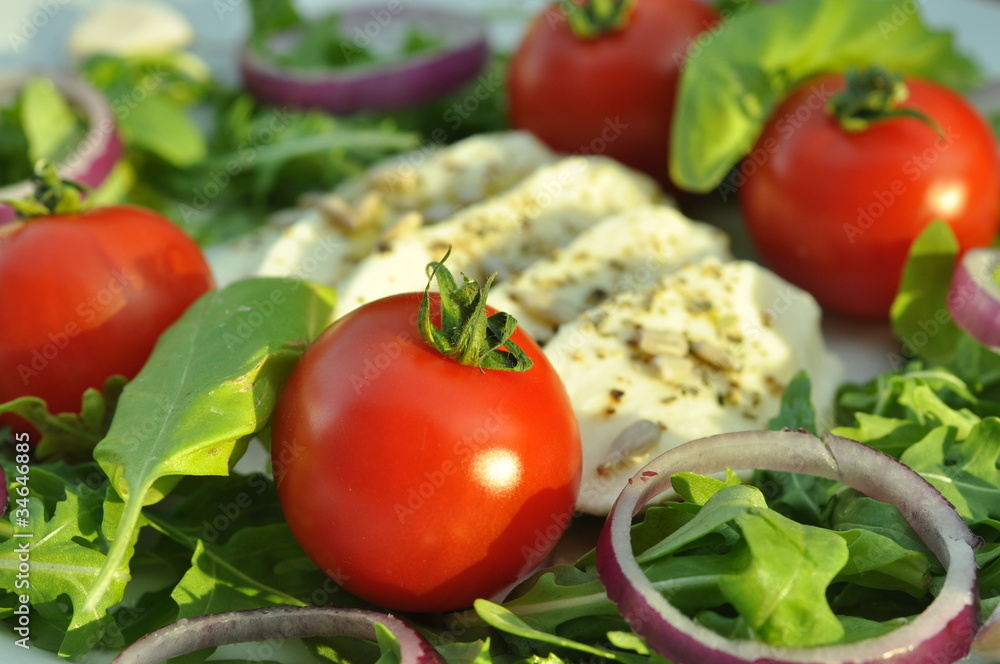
704 350
506 233
622 252
325 238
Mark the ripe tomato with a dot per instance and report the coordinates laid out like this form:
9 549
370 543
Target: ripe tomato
609 94
418 483
85 296
835 211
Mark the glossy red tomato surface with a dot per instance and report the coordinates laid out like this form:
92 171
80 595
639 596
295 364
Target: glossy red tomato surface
418 483
835 211
85 296
613 94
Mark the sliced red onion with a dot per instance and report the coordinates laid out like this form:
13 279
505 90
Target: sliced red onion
381 86
942 633
99 150
974 295
280 622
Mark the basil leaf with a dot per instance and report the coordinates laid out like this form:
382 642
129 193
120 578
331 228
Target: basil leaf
732 82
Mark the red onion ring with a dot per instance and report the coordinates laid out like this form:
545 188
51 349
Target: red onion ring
942 633
377 87
99 150
974 296
282 622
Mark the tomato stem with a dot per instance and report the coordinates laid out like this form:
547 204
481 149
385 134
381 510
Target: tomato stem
52 194
467 335
589 19
872 94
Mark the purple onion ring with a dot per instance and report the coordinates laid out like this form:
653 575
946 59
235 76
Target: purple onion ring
379 86
281 622
942 633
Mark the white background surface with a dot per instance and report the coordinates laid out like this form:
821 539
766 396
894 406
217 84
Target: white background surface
222 24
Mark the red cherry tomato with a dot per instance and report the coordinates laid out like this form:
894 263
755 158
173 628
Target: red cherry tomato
612 94
85 296
418 483
835 211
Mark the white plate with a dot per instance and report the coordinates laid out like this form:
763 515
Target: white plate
866 348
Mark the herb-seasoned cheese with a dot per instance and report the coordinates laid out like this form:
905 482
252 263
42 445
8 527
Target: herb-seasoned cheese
704 350
619 253
322 240
506 233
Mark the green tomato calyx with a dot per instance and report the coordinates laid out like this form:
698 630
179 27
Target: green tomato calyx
870 95
467 334
590 19
52 194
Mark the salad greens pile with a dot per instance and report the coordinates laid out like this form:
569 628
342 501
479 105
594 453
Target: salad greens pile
138 516
218 162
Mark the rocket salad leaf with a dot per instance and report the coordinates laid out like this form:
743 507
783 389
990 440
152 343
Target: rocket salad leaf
210 383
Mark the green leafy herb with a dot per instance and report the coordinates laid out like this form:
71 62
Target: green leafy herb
211 382
732 82
69 434
68 556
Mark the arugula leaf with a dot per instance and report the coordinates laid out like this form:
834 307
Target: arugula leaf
68 434
781 589
697 489
732 82
797 410
211 382
966 473
500 618
67 557
242 573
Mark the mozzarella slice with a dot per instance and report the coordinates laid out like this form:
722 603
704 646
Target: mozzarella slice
704 350
506 233
622 252
325 238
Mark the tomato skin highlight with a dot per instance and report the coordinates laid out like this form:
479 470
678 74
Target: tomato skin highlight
613 94
418 483
86 296
835 212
